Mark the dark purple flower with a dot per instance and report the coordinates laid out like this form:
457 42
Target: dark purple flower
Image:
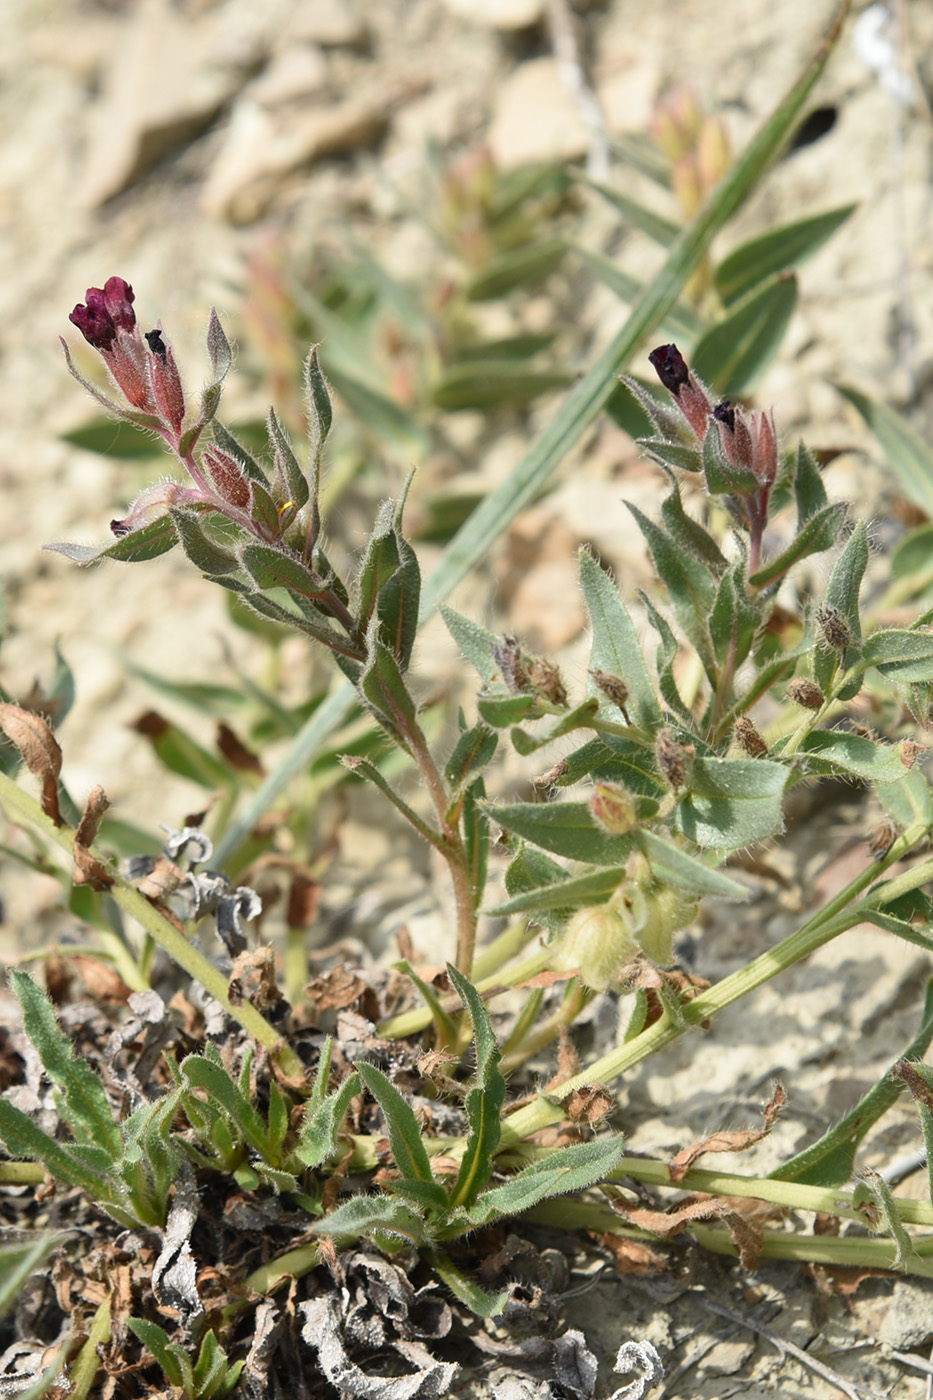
725 413
108 309
671 368
118 299
94 322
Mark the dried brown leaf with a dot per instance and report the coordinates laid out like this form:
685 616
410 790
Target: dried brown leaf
163 879
335 990
236 753
634 1256
728 1142
88 869
40 751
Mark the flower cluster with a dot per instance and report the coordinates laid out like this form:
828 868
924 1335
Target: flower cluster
739 446
143 368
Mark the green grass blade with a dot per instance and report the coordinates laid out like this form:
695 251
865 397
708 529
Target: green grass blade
908 453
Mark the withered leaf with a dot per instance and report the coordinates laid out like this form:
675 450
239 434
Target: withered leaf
747 1234
236 753
40 751
729 1142
88 869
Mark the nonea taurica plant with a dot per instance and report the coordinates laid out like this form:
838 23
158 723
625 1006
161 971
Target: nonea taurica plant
292 1143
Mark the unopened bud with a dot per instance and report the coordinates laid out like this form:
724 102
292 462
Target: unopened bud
806 693
167 391
507 655
613 809
547 680
748 738
713 152
688 187
597 944
882 838
909 751
673 758
614 689
835 631
228 477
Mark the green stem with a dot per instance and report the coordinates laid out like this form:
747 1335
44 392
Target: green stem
25 810
21 1174
411 1022
452 848
834 918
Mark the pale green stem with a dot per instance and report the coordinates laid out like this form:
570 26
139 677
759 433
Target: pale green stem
410 1022
21 1174
87 1364
832 920
24 809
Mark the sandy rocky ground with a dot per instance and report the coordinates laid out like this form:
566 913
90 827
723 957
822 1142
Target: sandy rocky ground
173 143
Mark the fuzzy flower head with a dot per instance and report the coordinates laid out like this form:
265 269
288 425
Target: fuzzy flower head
142 367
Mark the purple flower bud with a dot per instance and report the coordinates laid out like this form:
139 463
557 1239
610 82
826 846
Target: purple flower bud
118 298
94 321
107 310
671 368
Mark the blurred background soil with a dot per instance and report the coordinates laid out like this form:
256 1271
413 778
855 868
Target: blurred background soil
208 151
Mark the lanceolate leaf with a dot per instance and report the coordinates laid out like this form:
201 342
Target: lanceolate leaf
475 643
691 586
566 828
473 752
567 1169
745 267
909 454
565 894
403 1128
321 1128
675 867
148 542
809 491
364 1215
821 532
484 1100
837 752
842 593
900 655
83 1103
204 552
615 645
732 802
734 354
476 837
908 800
382 686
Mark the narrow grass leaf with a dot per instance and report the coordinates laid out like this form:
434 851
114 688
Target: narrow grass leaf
909 454
733 355
780 248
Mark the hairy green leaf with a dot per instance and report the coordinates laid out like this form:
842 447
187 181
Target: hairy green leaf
566 828
404 1131
616 649
732 802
